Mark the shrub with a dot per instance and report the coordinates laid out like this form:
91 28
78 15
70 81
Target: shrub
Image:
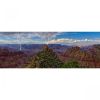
71 64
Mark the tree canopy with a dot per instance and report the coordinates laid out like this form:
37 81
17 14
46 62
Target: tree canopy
71 64
46 59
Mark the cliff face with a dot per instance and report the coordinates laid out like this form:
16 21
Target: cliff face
86 58
51 57
10 59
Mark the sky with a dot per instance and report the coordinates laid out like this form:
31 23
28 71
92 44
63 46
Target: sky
64 38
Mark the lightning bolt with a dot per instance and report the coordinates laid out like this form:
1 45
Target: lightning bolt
19 41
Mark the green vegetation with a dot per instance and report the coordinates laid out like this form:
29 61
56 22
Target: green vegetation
46 59
71 64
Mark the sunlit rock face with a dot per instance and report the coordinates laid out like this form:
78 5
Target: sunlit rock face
89 57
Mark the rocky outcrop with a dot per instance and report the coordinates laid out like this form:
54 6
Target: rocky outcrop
86 58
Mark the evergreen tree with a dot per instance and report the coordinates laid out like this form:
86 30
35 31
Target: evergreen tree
46 59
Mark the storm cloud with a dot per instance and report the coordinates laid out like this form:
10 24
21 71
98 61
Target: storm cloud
66 38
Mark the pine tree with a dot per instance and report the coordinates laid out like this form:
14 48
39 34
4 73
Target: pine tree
46 59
